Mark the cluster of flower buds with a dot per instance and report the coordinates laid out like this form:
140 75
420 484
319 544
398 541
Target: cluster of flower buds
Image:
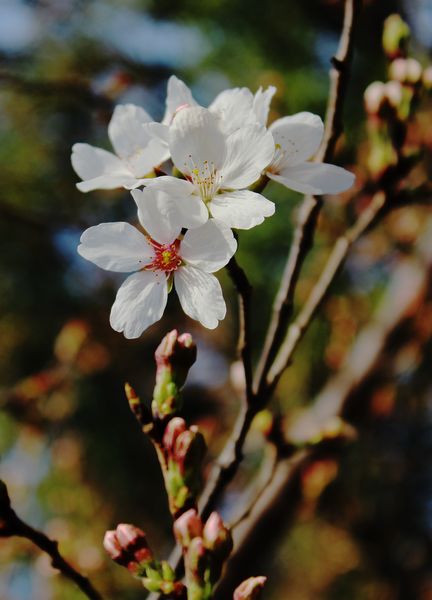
127 545
174 357
184 449
205 548
389 105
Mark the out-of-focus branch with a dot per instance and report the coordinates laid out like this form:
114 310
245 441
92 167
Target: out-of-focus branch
335 261
311 206
274 509
12 525
244 291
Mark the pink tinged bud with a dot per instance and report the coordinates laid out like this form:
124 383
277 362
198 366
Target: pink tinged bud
406 70
250 588
196 558
187 527
374 96
217 537
394 93
176 352
134 542
175 427
113 547
129 535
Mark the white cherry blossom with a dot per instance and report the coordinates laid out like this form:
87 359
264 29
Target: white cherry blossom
218 167
158 259
138 149
235 107
297 138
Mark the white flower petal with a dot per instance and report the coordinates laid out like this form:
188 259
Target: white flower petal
315 178
298 136
241 209
178 94
249 151
139 303
125 129
115 247
99 169
196 141
191 208
144 160
261 103
208 247
234 108
200 296
158 214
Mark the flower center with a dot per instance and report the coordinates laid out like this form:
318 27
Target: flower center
166 257
206 178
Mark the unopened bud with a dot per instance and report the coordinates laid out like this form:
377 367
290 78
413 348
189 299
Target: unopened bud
374 97
406 70
187 527
174 357
139 409
217 537
133 540
175 427
114 549
177 352
394 93
196 558
250 588
188 446
396 34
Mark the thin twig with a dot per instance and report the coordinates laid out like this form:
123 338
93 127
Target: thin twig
12 525
311 206
336 259
244 291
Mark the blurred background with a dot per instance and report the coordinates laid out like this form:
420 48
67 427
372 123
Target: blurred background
72 454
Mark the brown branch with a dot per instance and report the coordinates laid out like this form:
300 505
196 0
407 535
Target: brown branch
244 291
335 261
274 510
311 206
12 525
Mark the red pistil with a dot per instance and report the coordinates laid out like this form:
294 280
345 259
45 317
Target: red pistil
166 257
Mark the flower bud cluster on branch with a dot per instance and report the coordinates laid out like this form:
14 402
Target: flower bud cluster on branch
180 450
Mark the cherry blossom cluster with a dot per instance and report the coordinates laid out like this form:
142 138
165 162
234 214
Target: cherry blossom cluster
217 157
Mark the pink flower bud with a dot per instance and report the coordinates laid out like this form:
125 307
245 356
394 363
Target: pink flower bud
175 427
113 547
394 93
374 96
187 527
217 537
250 588
406 70
176 352
133 541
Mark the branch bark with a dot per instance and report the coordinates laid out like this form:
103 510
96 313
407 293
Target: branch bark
311 206
12 525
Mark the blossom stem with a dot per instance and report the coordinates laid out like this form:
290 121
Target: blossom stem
311 206
12 525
